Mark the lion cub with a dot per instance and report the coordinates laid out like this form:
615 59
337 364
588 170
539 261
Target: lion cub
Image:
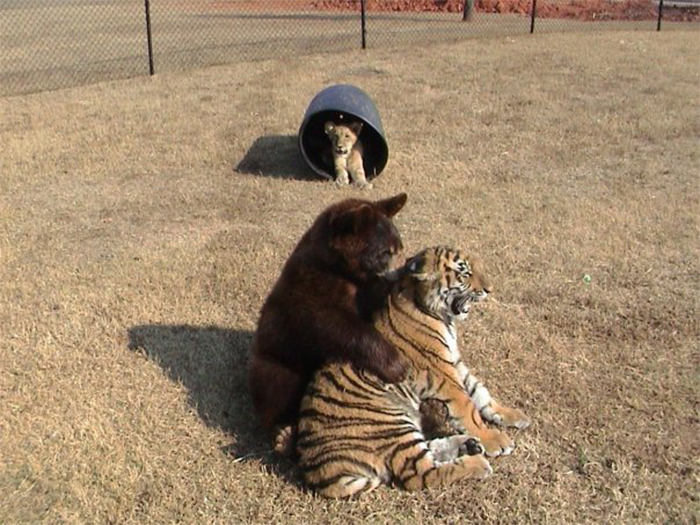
347 153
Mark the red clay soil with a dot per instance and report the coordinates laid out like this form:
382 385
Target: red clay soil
587 10
258 5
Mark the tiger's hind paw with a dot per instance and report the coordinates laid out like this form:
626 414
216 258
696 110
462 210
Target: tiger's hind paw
477 467
449 448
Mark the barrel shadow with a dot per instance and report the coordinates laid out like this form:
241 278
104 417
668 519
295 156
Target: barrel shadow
276 156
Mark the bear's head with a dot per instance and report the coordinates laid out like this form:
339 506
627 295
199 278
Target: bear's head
363 238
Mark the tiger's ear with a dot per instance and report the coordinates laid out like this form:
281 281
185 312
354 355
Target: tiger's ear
415 268
329 127
352 221
392 205
356 127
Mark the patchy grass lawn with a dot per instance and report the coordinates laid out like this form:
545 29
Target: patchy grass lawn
143 222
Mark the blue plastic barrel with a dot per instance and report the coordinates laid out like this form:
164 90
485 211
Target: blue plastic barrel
342 102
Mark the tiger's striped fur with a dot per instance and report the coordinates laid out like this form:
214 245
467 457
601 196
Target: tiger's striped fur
356 432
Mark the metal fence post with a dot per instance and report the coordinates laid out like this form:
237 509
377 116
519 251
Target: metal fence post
468 8
534 15
362 21
661 10
151 70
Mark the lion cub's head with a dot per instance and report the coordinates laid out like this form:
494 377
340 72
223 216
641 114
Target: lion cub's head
343 137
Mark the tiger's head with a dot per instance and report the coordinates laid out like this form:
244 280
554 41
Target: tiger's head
446 282
343 137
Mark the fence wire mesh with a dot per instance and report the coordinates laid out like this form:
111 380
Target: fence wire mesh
49 44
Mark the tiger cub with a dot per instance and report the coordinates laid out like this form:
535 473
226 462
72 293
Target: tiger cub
346 149
356 432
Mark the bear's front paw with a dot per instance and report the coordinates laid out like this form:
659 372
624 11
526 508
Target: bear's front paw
393 371
285 440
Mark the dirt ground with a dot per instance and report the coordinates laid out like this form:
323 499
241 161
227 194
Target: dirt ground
143 222
588 10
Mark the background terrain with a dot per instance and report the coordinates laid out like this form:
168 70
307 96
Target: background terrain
143 222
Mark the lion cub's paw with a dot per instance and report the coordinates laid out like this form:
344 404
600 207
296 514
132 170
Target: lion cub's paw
365 185
342 180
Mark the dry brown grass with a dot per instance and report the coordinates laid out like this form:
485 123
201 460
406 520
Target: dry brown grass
143 222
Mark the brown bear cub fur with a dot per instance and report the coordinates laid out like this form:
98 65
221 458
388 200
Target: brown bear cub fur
320 309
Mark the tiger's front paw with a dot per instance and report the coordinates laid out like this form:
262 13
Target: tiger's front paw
496 443
512 417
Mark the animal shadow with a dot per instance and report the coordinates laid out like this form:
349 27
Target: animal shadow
211 362
276 156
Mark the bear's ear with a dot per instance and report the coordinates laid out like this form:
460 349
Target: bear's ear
392 205
352 221
356 127
329 127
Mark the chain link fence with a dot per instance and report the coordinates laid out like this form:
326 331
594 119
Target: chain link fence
49 44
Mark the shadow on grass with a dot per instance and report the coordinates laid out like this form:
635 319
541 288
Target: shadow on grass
211 363
276 156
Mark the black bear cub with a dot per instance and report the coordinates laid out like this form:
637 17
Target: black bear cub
320 308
